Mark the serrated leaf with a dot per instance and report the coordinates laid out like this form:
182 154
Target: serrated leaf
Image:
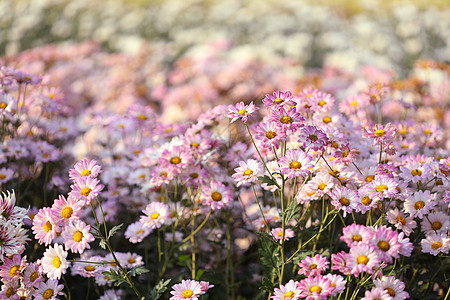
159 289
301 255
138 270
102 244
266 179
114 277
292 210
267 285
114 230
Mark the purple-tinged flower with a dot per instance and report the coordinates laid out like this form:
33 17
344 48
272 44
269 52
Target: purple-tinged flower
85 168
77 236
289 120
419 204
344 199
49 290
240 111
247 172
12 268
362 259
377 294
279 99
216 195
85 189
315 288
136 232
278 233
356 234
405 223
313 266
380 133
313 138
394 287
438 222
270 134
338 282
383 187
289 291
295 163
187 290
6 175
156 215
435 243
339 262
385 242
65 210
45 226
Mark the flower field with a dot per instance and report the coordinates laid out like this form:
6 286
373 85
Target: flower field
250 153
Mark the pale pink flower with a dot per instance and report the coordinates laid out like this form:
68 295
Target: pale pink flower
278 233
289 291
77 236
186 290
49 290
85 168
313 266
54 262
156 215
85 189
240 111
45 227
247 172
394 287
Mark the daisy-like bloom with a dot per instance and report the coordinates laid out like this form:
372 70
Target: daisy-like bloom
54 262
355 234
380 133
136 232
65 210
12 268
324 183
206 286
278 233
435 222
85 189
289 120
247 172
279 99
85 168
322 102
365 200
87 270
112 295
406 246
45 227
289 291
156 215
187 289
385 243
377 294
313 266
415 172
362 259
77 236
397 218
6 175
216 195
435 243
32 275
130 260
48 290
383 187
10 212
419 204
338 282
10 244
295 163
315 288
175 159
344 199
9 291
313 138
240 111
339 262
394 287
270 134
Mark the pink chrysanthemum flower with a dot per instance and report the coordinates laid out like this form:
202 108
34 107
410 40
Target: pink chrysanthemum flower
295 163
279 99
362 259
435 243
10 243
313 266
49 290
54 262
394 287
321 102
32 275
86 269
344 199
278 233
365 200
397 218
339 261
9 211
270 134
415 172
383 187
156 215
85 168
315 288
6 175
247 172
355 234
289 291
385 243
289 120
66 210
338 282
175 159
205 285
187 289
377 294
406 246
136 232
86 189
438 222
216 195
380 133
12 268
419 204
240 111
45 227
77 236
313 138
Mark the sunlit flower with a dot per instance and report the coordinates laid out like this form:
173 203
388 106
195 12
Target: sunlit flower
54 262
240 111
187 289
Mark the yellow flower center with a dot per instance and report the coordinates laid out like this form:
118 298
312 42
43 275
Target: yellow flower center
78 236
34 276
216 196
286 120
175 160
436 225
315 289
380 188
379 132
56 262
321 103
436 245
416 172
140 231
289 295
131 261
366 200
3 105
270 134
2 176
67 212
48 226
295 165
427 131
154 216
85 172
344 201
195 144
10 292
242 112
326 120
48 293
187 294
362 260
89 268
142 117
419 205
313 266
85 191
390 291
354 103
322 186
345 153
403 131
335 145
193 175
383 245
280 233
278 101
401 220
313 137
357 238
13 270
333 172
248 172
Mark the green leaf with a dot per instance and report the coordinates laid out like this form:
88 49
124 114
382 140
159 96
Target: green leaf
302 255
102 244
138 270
114 277
114 230
292 210
268 180
199 274
159 289
267 285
